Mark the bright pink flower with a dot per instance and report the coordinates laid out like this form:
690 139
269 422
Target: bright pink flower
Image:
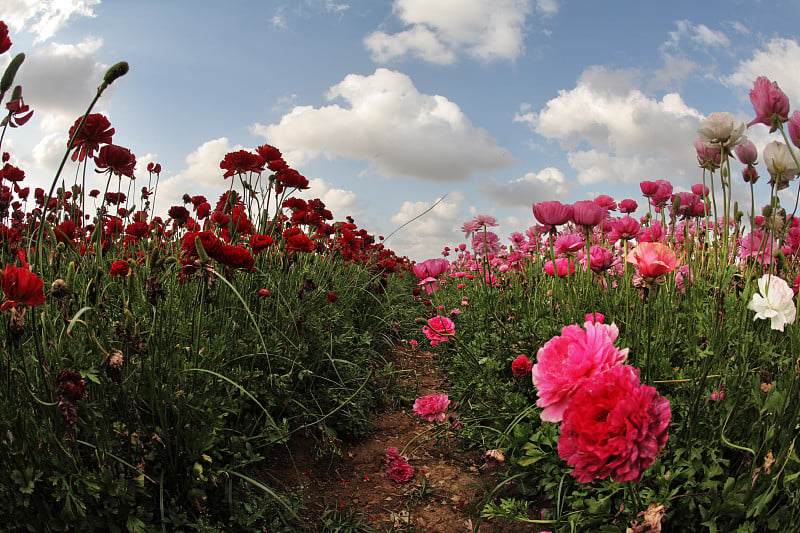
625 228
606 202
595 318
601 259
400 471
628 206
485 243
653 259
769 102
564 266
522 366
439 329
432 407
552 213
566 360
430 268
568 243
614 426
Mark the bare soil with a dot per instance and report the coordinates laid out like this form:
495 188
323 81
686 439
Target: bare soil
346 484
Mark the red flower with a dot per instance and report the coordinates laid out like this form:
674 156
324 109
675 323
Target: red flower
260 242
236 257
119 269
96 130
264 293
522 366
11 173
21 286
613 426
5 42
268 153
297 241
241 162
18 113
116 159
332 298
70 386
179 214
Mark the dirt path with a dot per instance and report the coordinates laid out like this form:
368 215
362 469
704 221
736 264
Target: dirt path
351 490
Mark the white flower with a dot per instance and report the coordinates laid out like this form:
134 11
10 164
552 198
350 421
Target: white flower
721 128
775 301
780 164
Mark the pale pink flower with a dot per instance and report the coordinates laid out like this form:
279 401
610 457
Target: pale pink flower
485 243
769 102
432 407
566 360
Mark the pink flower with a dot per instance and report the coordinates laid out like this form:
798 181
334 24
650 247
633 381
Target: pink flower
567 360
708 156
628 206
601 259
625 228
485 243
769 102
552 213
439 329
432 407
586 213
793 128
564 266
747 153
522 366
413 343
653 260
430 268
659 191
595 318
398 470
614 426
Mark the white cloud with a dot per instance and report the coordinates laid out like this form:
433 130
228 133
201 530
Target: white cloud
387 122
547 7
487 30
699 34
340 202
425 237
44 17
775 61
616 134
547 184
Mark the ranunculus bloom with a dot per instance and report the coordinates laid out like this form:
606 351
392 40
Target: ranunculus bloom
432 407
241 162
614 426
119 269
552 213
96 130
485 243
522 366
5 41
399 470
774 301
21 287
769 102
566 360
793 128
564 266
708 155
439 329
260 242
116 159
780 164
653 259
625 228
430 268
721 128
628 205
586 213
746 152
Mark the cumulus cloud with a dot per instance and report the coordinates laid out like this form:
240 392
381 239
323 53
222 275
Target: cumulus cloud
617 134
425 237
547 184
773 60
44 17
438 32
340 202
387 122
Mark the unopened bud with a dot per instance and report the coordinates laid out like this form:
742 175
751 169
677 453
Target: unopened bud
116 71
11 71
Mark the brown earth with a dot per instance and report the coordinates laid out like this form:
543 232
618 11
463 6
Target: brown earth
347 485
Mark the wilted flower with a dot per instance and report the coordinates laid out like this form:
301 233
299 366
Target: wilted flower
774 301
398 470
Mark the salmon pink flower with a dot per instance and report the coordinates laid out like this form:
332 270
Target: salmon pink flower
770 103
653 260
614 426
566 360
774 301
432 407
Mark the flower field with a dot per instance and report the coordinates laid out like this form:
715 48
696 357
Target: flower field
621 368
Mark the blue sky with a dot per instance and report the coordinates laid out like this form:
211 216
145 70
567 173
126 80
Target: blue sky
389 105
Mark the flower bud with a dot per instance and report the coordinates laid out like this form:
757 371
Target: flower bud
59 289
11 71
116 71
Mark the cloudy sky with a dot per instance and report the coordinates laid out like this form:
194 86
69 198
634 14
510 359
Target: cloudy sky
390 106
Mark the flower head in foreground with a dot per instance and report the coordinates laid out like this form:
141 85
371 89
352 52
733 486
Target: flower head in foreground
5 41
614 426
21 287
566 360
774 301
432 407
439 329
653 260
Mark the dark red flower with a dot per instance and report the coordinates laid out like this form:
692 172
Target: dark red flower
291 179
70 386
18 113
138 229
179 214
11 173
116 159
96 130
65 231
236 257
268 153
5 42
332 298
203 210
297 241
21 286
260 242
522 366
155 168
119 269
241 162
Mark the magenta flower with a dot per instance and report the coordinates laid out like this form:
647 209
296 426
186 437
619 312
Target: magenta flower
770 103
430 268
522 366
439 329
563 266
432 407
588 214
606 202
566 360
794 128
628 206
625 228
614 426
552 213
601 259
